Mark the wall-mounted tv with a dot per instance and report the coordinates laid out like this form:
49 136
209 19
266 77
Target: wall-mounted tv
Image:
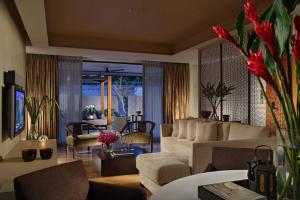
14 110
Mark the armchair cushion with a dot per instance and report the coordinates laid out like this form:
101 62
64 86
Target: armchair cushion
136 138
83 140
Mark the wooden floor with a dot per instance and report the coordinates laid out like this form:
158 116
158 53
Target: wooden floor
93 175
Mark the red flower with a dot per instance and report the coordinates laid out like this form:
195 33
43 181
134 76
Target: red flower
257 67
223 34
250 11
108 138
296 40
266 33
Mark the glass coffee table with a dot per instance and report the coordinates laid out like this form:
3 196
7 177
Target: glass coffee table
121 161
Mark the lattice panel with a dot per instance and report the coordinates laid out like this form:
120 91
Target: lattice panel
258 103
235 74
210 72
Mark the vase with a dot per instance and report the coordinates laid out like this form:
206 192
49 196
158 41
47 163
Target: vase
29 155
90 117
288 169
46 153
33 134
214 115
109 148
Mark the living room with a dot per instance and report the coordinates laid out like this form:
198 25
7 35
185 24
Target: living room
149 100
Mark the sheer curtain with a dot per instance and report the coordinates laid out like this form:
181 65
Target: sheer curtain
70 92
153 95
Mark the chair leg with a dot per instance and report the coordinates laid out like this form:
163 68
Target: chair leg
88 149
66 149
151 148
73 151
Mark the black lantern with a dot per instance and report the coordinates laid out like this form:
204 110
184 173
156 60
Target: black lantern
262 174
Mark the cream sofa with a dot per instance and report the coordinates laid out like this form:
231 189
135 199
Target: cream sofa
180 153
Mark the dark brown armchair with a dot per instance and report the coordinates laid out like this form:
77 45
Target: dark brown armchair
138 132
78 135
69 182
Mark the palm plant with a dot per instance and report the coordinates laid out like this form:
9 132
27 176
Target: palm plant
35 108
215 95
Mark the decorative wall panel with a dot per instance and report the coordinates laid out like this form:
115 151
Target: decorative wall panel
235 74
258 103
224 63
210 72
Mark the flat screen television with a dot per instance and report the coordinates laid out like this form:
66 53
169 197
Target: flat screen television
14 110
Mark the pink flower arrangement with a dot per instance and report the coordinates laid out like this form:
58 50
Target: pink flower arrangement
108 138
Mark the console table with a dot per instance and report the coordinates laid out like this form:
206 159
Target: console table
187 188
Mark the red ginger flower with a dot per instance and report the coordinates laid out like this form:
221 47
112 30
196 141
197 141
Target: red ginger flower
107 138
250 11
265 32
223 34
257 67
296 40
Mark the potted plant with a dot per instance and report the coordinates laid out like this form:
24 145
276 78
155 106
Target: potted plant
90 111
215 95
34 109
272 54
108 138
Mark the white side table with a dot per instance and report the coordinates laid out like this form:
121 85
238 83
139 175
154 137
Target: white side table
187 188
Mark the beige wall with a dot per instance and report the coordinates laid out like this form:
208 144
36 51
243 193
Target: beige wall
12 57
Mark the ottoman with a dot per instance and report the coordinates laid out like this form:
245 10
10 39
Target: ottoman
157 169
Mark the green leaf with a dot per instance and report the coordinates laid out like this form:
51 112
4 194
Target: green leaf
290 5
282 25
268 14
269 61
240 27
253 42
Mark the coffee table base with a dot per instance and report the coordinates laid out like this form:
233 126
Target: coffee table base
114 166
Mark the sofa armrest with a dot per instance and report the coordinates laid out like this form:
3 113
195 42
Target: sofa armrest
110 191
166 130
201 153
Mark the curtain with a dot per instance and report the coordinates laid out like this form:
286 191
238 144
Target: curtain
176 91
70 92
41 80
153 95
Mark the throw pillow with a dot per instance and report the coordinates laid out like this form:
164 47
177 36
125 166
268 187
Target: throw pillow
207 131
182 134
175 128
223 131
191 129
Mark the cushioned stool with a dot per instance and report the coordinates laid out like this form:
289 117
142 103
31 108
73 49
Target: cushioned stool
161 168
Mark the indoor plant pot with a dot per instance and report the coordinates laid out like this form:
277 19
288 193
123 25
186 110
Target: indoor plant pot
46 153
28 155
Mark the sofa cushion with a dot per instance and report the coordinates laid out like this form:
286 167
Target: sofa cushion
182 133
175 128
172 144
242 131
161 168
223 130
206 131
191 129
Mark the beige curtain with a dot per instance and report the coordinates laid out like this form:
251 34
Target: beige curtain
176 91
42 79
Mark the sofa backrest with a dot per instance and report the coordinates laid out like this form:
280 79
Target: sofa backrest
66 181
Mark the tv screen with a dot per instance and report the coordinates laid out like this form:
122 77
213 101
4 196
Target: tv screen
19 111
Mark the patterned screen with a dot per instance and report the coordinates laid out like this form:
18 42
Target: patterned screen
210 72
234 73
